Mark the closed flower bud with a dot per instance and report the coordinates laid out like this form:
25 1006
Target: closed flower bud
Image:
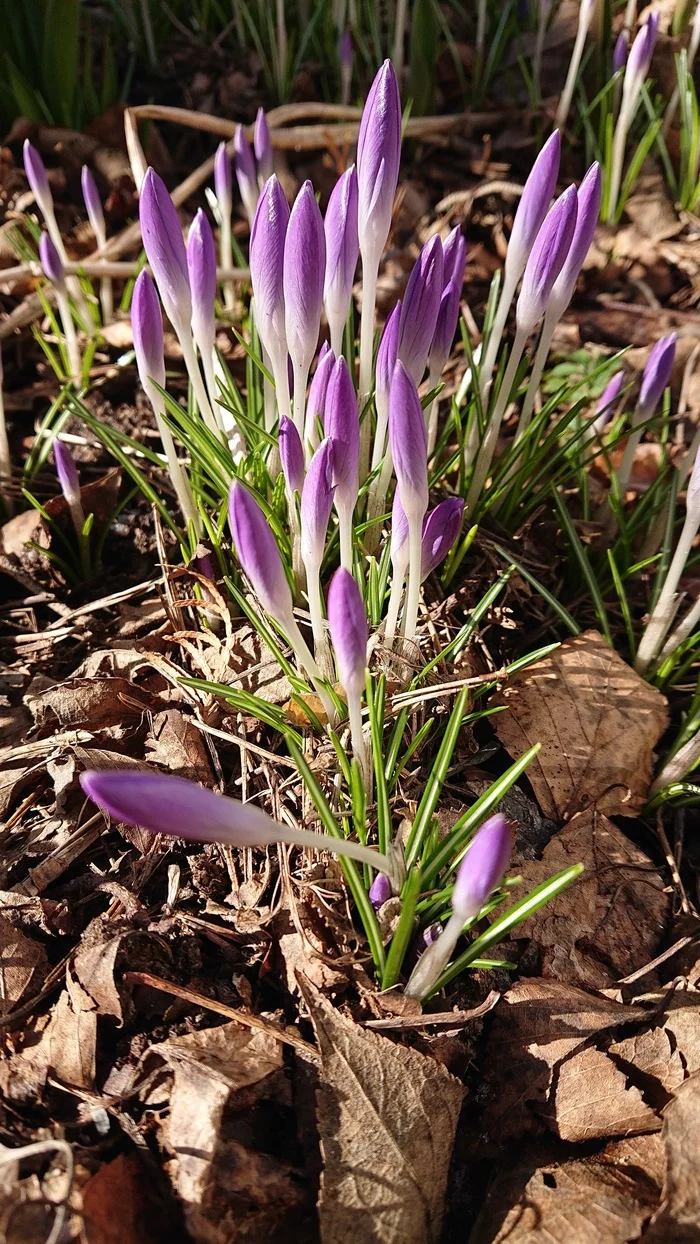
263 147
546 260
223 180
656 376
316 505
454 254
380 891
201 266
378 158
246 174
316 402
304 266
399 538
36 176
409 442
639 60
348 626
147 330
483 867
587 211
165 250
342 424
606 404
67 473
619 56
420 308
267 239
258 554
52 263
533 206
387 354
446 323
93 203
342 250
441 527
291 455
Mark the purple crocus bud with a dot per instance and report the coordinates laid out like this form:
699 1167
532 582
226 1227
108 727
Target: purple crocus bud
267 265
342 424
342 250
67 472
93 203
348 626
263 147
447 316
533 206
454 253
432 933
36 176
546 260
399 537
619 56
201 266
223 180
587 212
147 329
387 354
378 158
380 891
483 867
409 442
639 59
656 376
441 527
420 308
165 250
258 554
52 263
607 401
316 401
291 455
316 505
304 264
246 175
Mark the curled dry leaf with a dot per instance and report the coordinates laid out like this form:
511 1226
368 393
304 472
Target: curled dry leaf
91 977
21 965
387 1117
609 923
176 744
597 722
678 1218
93 703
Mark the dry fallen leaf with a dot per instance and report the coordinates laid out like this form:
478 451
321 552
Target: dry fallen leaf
678 1218
387 1117
592 1100
123 1204
610 922
71 1038
91 975
597 721
21 964
96 703
175 743
605 1199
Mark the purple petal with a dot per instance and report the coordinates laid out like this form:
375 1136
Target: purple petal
380 891
409 442
349 634
454 254
588 209
223 179
93 202
246 174
66 471
378 158
51 262
201 266
534 204
620 50
263 146
546 259
291 454
342 246
147 329
316 504
387 354
304 266
342 424
316 402
267 265
608 398
165 249
420 308
258 553
441 528
641 52
657 375
36 174
447 317
483 867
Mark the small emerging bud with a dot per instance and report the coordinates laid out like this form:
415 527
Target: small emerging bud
441 527
606 403
639 60
546 260
246 174
380 891
67 472
147 330
165 250
483 867
348 626
258 554
93 203
263 147
420 308
52 263
35 169
656 376
291 453
223 180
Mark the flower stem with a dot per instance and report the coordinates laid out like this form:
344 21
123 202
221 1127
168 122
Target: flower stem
415 532
482 465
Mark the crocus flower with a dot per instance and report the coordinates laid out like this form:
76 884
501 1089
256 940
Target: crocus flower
316 505
587 212
441 526
267 238
606 406
35 169
585 13
291 453
348 626
342 424
259 555
641 52
636 70
170 805
223 180
387 354
263 147
201 266
52 263
342 250
246 174
619 56
409 449
481 871
93 203
67 473
316 403
165 249
378 157
421 304
54 271
380 891
657 374
546 260
303 269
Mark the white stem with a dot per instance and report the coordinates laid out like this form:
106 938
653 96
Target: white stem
226 251
434 960
5 460
72 282
682 631
77 514
336 327
178 478
301 376
432 412
395 596
70 336
399 36
663 612
281 377
490 353
369 298
618 158
304 656
684 760
482 465
338 846
195 375
207 357
630 14
106 300
415 533
574 65
359 743
545 341
345 531
321 646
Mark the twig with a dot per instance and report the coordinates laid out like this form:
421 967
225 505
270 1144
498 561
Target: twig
445 1019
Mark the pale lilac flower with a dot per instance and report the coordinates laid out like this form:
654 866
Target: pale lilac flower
201 266
619 57
656 376
165 250
409 444
533 206
420 308
267 239
259 555
147 330
246 174
380 891
316 505
35 169
263 147
316 403
546 260
67 472
303 270
291 453
223 180
52 263
342 424
588 210
342 250
349 634
93 203
378 157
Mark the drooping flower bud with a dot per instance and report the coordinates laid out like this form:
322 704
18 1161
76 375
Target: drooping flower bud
263 147
316 505
304 266
342 250
93 204
246 174
165 250
52 263
259 555
201 266
409 443
533 206
348 626
378 157
291 453
267 240
147 330
546 260
420 308
587 212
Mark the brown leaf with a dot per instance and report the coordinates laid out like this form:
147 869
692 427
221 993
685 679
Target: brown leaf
121 1205
597 721
98 498
253 668
678 1219
610 921
592 1100
91 976
604 1199
536 1029
669 1052
21 964
387 1117
72 1038
177 744
95 703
